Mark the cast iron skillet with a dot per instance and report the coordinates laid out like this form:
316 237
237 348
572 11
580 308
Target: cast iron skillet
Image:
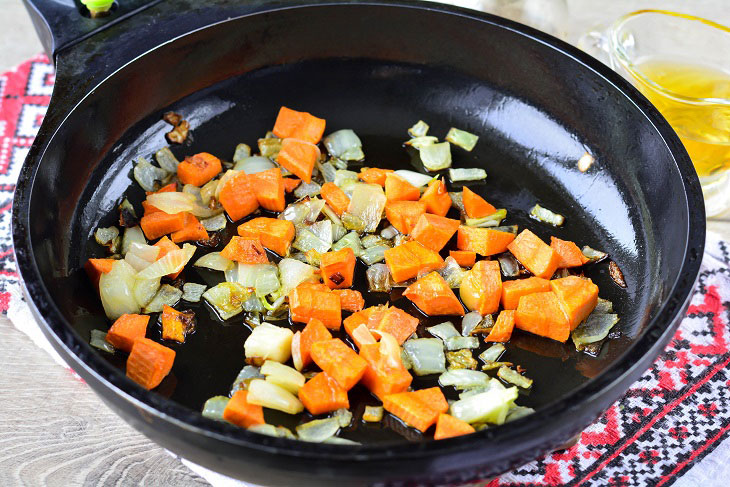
537 104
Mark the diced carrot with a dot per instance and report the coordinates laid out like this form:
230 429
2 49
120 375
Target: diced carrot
512 291
155 225
335 197
350 300
481 287
337 268
148 208
322 394
306 303
174 324
429 260
192 230
398 189
578 296
269 189
299 125
437 199
290 184
570 254
96 267
199 169
434 397
542 314
433 296
398 323
166 245
298 156
434 231
474 205
383 376
246 250
238 197
465 258
483 241
409 259
314 286
411 410
276 235
315 331
537 256
374 175
339 362
149 362
502 330
370 318
403 215
126 329
241 412
168 188
448 426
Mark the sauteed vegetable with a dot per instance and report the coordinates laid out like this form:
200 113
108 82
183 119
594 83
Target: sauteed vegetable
308 228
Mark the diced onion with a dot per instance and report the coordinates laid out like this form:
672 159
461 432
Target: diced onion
322 230
426 355
351 240
318 430
269 342
247 373
214 407
469 322
593 255
307 189
372 414
227 298
513 377
170 263
98 340
546 216
436 157
460 342
488 407
140 256
116 289
518 412
422 141
345 145
415 178
242 152
104 236
306 240
379 279
508 265
254 164
267 281
166 295
269 395
292 273
132 235
367 204
328 171
172 202
215 261
492 220
389 232
247 273
595 328
345 179
452 272
443 330
464 378
374 254
214 223
492 354
461 138
146 174
145 290
296 351
208 191
283 376
343 416
192 292
419 129
167 160
467 174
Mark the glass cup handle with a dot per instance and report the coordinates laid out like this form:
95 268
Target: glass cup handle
596 43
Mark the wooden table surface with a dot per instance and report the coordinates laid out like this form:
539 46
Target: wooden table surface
55 431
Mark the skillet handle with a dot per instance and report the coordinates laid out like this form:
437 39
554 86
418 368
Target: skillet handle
63 23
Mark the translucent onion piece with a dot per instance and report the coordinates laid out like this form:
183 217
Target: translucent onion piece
306 240
488 407
389 232
367 204
464 379
329 213
546 216
171 263
247 373
322 230
227 298
136 262
422 141
247 273
215 261
415 178
345 180
231 275
208 191
351 240
443 330
192 292
166 295
214 223
254 164
452 272
104 236
338 163
343 416
264 429
508 264
132 235
146 174
436 157
509 375
389 348
214 407
145 290
306 211
344 145
379 279
242 152
492 220
461 138
469 322
426 355
372 414
461 359
459 342
593 255
269 342
307 189
227 176
283 376
603 306
518 412
467 174
296 351
269 395
98 340
374 254
595 328
507 228
419 129
267 281
270 147
362 335
328 171
338 231
492 354
166 159
318 430
457 201
373 240
292 273
140 256
172 202
116 289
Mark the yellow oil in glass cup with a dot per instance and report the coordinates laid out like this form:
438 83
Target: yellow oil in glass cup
681 64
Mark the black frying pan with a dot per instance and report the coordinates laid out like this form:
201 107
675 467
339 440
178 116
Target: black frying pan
537 104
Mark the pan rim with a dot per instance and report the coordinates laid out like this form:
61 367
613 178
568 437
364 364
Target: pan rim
654 334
